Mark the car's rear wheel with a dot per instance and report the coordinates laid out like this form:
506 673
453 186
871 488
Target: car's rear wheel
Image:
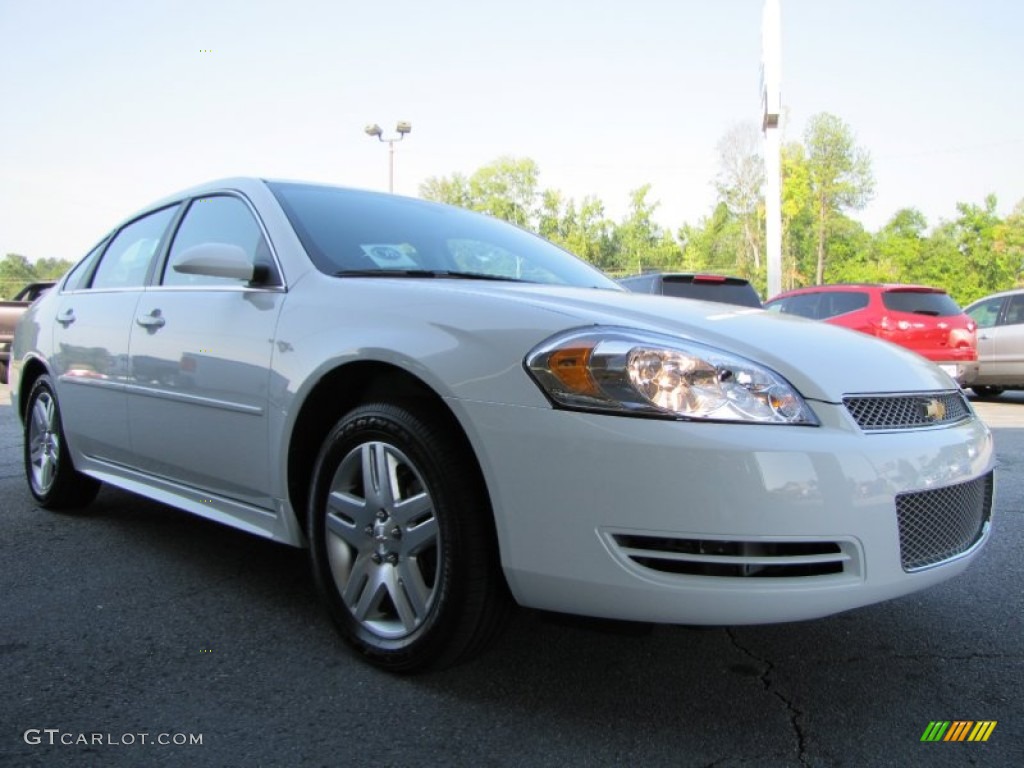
401 538
986 392
52 477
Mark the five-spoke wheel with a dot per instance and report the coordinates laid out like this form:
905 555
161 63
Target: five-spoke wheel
52 477
402 539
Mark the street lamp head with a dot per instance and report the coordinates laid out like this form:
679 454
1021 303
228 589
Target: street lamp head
404 127
373 130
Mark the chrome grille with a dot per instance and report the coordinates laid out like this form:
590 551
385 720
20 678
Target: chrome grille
940 524
718 557
911 411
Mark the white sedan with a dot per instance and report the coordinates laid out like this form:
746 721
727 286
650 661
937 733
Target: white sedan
455 415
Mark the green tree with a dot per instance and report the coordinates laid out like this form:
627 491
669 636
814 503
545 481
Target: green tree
840 177
797 217
588 233
1008 242
641 243
15 272
453 190
851 257
506 189
713 244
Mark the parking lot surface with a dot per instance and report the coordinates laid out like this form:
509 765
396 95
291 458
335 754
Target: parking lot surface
131 623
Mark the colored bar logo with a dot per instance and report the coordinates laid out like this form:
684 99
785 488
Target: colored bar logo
959 730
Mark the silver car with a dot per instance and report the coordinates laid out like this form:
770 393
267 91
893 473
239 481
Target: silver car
455 415
1000 319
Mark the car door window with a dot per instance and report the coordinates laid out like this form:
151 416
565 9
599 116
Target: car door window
126 262
986 313
803 304
78 277
842 302
1014 311
220 219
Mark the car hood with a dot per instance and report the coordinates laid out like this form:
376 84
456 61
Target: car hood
823 362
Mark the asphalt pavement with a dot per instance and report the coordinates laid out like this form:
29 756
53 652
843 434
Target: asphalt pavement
134 635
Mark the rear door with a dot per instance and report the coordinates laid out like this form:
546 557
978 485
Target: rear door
1008 341
90 337
986 315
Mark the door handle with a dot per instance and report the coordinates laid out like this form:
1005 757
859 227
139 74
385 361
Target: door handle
152 321
66 318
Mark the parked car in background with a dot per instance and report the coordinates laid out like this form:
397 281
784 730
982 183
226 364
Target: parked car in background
685 285
918 317
452 413
10 313
1000 319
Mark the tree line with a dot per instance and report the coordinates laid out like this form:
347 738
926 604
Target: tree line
16 272
826 176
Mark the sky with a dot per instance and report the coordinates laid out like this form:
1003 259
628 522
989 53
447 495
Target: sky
108 106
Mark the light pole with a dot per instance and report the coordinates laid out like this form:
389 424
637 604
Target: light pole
771 107
402 128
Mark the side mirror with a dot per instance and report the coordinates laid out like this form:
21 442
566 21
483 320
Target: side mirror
217 260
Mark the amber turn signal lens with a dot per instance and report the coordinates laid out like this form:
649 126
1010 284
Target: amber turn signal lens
570 365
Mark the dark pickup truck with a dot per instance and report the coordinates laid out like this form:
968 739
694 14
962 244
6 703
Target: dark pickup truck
10 313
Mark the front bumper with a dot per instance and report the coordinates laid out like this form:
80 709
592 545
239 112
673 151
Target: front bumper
961 371
580 498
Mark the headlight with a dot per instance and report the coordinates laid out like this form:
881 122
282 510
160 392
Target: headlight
634 372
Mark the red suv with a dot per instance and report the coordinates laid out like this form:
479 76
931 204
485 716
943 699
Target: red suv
925 320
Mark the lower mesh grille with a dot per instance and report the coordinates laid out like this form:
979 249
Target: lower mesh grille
714 557
940 524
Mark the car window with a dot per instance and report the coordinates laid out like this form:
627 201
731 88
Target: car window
1014 311
841 302
126 262
79 275
216 219
640 283
986 313
803 305
725 290
921 303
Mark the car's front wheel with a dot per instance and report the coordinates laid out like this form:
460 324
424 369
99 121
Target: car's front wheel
52 478
402 541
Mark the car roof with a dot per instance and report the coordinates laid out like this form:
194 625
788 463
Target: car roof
996 295
880 287
710 276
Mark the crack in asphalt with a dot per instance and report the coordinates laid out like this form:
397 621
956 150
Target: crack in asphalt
794 713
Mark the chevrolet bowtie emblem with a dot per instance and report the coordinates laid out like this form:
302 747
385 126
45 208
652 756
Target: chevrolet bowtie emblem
934 410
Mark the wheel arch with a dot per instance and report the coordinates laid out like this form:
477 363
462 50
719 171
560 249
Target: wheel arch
346 387
31 370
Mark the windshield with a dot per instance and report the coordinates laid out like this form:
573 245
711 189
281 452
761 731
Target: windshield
351 232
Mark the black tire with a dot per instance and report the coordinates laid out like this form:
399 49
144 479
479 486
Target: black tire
408 568
52 477
988 392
